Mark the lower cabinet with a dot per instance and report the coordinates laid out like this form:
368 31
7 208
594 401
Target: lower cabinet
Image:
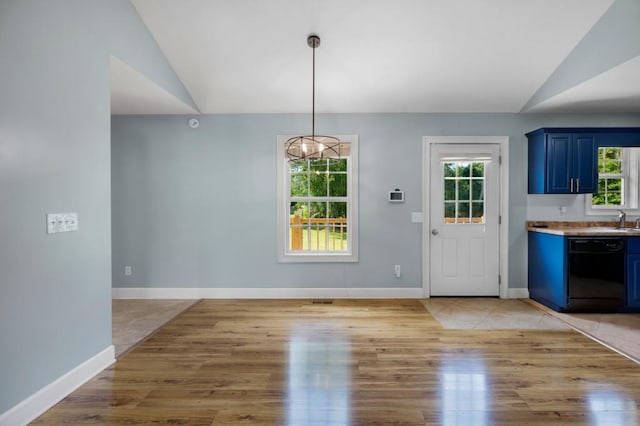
548 266
549 270
633 272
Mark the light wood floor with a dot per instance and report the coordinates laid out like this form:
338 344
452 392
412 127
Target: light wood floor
354 362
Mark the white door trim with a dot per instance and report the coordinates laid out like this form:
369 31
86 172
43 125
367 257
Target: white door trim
503 238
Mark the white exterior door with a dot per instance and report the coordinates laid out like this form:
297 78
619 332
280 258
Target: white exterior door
464 220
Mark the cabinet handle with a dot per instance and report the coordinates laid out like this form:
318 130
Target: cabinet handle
577 184
571 185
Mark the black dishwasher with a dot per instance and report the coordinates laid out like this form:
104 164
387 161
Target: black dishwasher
596 275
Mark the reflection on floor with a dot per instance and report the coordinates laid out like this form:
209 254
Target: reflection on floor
354 362
134 319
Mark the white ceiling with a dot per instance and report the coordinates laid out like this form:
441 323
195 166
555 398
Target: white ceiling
251 56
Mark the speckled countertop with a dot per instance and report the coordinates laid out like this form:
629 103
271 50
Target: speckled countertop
570 229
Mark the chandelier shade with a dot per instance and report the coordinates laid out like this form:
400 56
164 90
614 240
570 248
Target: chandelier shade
313 147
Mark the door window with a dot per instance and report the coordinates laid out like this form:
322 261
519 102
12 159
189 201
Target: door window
464 192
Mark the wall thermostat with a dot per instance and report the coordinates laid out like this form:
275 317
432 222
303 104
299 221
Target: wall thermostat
396 196
194 123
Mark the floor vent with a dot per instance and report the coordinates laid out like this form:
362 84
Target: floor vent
322 302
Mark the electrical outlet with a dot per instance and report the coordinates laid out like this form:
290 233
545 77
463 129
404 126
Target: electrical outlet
127 270
397 270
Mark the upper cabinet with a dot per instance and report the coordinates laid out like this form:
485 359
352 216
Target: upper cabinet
562 163
565 161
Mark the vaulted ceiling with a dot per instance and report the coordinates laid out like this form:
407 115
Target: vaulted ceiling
251 56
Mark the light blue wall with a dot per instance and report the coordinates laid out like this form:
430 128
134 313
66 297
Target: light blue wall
55 290
197 207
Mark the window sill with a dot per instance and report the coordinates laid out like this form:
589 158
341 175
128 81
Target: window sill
317 258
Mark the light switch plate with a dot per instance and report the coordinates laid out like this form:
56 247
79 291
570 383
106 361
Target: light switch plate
417 217
62 222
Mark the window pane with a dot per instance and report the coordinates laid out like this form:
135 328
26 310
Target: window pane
318 184
614 199
450 169
477 212
299 185
613 184
478 169
449 212
318 166
463 210
449 189
298 220
598 199
602 185
299 209
298 166
464 170
338 185
317 210
610 160
338 165
317 236
477 190
297 238
463 189
337 210
337 226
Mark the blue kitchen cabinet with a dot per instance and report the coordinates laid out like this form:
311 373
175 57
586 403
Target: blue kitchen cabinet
548 266
562 162
633 272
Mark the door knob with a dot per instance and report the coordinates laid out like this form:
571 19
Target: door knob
434 232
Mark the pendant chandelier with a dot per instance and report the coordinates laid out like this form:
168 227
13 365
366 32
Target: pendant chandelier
313 147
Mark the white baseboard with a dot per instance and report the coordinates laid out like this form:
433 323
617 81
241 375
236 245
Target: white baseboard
267 293
32 407
518 293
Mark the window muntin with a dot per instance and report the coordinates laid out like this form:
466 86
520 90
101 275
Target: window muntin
612 175
317 206
617 182
464 191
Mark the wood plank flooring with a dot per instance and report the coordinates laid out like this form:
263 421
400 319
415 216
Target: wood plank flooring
353 362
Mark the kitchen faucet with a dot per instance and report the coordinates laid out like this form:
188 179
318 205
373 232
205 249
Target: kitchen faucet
622 218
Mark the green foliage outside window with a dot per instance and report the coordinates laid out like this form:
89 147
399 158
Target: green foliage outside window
463 192
321 178
610 178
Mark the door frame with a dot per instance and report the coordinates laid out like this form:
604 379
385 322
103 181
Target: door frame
503 227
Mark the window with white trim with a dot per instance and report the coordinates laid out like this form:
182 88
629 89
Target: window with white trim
318 206
617 182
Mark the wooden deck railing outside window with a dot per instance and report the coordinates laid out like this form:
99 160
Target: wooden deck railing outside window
319 234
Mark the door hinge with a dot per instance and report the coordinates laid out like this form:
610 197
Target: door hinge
500 160
499 279
500 220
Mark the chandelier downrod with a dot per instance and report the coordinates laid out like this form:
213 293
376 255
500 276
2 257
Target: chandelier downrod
313 147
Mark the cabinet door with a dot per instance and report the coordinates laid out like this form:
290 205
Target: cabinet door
585 167
559 163
633 281
547 274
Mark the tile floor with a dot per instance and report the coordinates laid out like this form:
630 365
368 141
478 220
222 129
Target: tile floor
621 332
463 313
136 319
